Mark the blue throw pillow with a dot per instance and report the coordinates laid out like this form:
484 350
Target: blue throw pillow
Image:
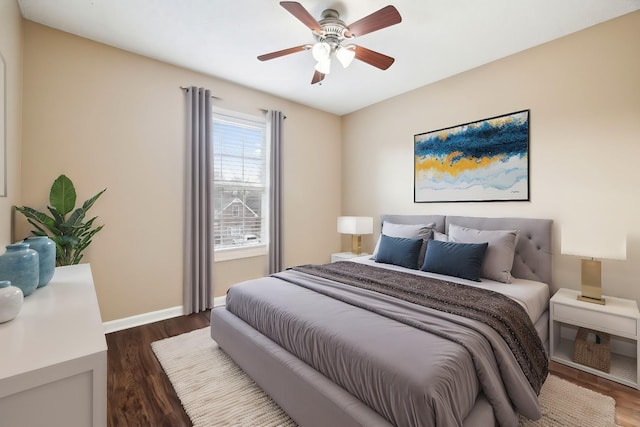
462 260
399 251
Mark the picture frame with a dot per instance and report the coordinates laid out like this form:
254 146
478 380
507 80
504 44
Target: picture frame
482 161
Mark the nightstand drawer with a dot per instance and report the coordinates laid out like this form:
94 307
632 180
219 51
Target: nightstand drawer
596 320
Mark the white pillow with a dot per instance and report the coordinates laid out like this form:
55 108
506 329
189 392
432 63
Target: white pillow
440 236
498 259
409 231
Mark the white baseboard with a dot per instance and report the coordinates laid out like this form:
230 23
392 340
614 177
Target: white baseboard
142 319
153 316
219 301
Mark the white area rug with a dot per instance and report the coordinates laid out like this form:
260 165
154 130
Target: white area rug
216 392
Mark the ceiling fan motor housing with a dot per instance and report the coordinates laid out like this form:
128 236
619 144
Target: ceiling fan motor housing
333 29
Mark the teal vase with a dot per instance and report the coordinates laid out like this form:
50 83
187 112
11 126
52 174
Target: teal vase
19 264
46 249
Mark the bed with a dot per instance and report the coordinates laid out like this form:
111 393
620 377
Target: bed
333 346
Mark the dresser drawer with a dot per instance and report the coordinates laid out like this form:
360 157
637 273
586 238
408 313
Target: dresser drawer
599 321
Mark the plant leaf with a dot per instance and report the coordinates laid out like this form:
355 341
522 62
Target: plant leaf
63 195
37 216
86 205
57 216
76 217
86 239
40 231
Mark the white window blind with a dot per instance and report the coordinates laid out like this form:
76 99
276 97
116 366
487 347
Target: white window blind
240 181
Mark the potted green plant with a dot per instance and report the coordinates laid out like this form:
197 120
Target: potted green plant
66 225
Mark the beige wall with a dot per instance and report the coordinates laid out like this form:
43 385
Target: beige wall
11 50
109 118
584 95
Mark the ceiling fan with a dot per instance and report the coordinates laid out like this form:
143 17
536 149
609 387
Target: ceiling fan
332 34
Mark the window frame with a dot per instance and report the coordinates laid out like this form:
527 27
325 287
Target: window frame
254 250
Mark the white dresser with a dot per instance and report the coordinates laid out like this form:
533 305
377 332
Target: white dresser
53 356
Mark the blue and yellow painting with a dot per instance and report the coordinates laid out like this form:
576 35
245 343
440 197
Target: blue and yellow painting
487 160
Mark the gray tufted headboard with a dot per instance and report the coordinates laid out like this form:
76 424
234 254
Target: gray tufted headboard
532 258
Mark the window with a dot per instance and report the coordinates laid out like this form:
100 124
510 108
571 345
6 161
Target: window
240 182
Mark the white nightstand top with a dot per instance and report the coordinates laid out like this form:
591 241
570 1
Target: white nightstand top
343 256
349 254
619 306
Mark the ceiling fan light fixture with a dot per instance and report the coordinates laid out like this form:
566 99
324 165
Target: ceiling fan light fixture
345 55
321 51
324 67
330 32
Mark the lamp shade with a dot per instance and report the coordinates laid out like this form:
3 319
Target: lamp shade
324 66
321 51
590 243
355 225
345 55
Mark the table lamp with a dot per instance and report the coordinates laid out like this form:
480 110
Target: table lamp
356 226
595 246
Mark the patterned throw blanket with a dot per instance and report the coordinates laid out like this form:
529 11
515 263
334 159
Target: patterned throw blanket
498 311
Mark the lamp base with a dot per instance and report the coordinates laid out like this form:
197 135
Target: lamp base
600 301
356 244
591 282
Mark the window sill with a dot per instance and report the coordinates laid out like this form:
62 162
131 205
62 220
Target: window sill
231 254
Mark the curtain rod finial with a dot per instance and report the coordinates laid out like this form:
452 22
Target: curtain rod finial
186 89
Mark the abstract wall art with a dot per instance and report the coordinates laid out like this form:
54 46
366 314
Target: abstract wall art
482 161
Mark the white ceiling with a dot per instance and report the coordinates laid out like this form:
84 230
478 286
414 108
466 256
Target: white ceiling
222 38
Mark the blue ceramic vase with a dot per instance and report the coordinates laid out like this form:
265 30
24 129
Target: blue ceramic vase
46 249
19 265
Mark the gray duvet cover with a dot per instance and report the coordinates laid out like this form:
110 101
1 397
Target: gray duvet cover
409 376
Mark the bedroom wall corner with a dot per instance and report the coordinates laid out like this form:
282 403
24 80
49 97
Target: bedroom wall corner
584 96
11 48
113 119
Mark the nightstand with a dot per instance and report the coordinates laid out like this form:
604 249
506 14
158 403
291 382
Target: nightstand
618 317
343 256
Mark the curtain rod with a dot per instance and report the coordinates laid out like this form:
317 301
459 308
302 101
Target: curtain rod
215 97
266 111
212 96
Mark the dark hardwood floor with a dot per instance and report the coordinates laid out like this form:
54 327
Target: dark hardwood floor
138 391
140 394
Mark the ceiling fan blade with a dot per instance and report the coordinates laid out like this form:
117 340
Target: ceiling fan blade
373 58
317 77
283 52
297 10
385 17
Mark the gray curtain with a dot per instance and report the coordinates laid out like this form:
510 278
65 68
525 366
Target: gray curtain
198 248
275 121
